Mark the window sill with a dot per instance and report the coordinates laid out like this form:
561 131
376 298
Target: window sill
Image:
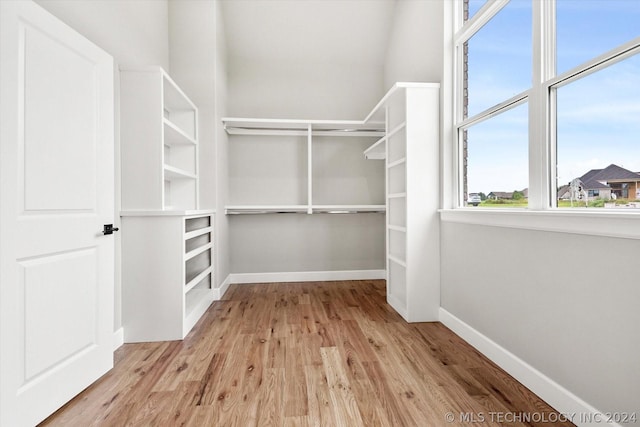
621 224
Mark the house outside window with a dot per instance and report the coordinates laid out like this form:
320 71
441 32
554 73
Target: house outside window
540 99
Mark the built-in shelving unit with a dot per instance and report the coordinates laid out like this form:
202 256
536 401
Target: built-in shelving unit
167 241
410 149
307 166
289 166
168 285
159 142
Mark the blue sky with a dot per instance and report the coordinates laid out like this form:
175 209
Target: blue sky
598 116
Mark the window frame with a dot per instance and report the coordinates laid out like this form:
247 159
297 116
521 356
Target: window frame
542 212
463 32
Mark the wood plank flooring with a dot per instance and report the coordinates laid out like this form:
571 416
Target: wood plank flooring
306 354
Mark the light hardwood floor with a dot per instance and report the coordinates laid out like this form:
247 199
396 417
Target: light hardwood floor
305 354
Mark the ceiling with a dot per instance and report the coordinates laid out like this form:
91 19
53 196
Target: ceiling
308 30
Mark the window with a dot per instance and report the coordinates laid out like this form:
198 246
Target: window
494 52
497 158
495 135
548 93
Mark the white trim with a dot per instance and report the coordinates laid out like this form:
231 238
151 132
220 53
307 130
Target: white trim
219 292
497 109
118 338
591 222
605 60
396 87
561 399
307 276
190 212
448 149
309 169
478 20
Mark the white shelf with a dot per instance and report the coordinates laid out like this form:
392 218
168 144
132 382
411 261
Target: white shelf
171 173
167 212
174 98
377 151
266 132
255 126
397 162
194 253
173 135
397 228
348 208
193 282
397 195
379 110
395 130
196 233
397 260
264 209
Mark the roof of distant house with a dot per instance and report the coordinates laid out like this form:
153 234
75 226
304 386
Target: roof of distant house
598 178
501 194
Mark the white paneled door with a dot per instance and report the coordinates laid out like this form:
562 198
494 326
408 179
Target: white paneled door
56 194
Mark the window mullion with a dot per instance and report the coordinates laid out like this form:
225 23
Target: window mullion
484 15
549 70
543 63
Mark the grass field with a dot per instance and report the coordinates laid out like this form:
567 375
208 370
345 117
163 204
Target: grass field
523 203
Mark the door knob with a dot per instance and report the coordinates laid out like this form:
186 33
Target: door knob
109 229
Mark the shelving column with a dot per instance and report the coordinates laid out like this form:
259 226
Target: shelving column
167 241
412 164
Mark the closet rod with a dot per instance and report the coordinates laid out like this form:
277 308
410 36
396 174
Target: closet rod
338 211
319 211
260 212
293 129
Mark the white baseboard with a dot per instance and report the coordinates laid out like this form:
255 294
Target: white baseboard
307 276
561 399
220 291
118 338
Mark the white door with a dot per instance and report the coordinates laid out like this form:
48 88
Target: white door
56 192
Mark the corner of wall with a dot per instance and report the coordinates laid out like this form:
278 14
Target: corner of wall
414 51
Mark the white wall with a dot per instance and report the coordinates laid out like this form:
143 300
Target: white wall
222 222
303 89
414 52
302 243
135 33
198 64
566 304
192 35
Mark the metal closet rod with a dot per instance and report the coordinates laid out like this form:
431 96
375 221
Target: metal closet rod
320 211
290 129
